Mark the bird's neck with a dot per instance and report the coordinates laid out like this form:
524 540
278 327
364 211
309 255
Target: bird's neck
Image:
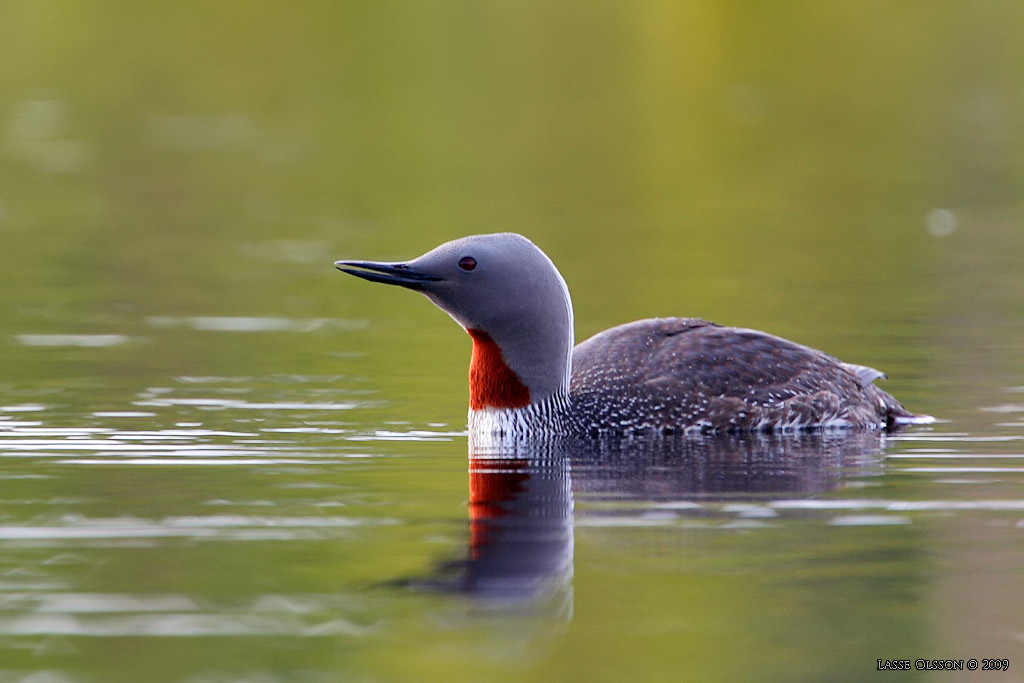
492 383
502 404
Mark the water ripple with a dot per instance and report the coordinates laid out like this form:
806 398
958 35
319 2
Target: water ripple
87 340
173 624
23 408
411 435
256 324
222 403
220 527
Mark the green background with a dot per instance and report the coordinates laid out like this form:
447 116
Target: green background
847 174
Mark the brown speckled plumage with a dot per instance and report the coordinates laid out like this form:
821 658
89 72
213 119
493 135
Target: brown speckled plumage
675 374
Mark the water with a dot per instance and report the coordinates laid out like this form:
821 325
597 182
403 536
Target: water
263 528
221 460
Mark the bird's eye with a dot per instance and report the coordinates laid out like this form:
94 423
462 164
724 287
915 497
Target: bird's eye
467 263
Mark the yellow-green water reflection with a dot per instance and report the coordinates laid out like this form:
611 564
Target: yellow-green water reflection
221 458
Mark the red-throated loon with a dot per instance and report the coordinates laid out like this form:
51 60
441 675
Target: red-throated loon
662 375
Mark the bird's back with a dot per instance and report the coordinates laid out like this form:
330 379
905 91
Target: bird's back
685 374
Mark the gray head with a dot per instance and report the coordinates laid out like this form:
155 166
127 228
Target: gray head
502 285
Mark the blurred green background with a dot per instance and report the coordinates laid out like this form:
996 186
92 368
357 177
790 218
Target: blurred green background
848 174
773 165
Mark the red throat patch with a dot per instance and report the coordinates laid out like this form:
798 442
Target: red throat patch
492 383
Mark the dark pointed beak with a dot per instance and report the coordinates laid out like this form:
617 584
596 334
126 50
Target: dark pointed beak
401 274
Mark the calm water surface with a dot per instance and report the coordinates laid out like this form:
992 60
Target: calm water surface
223 461
225 528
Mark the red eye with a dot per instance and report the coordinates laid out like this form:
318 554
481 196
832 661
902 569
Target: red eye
467 263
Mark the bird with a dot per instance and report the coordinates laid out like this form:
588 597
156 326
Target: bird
672 375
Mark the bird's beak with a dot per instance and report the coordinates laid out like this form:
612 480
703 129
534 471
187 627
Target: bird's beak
401 274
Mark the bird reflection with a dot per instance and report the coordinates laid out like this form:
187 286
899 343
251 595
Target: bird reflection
521 500
720 467
520 524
